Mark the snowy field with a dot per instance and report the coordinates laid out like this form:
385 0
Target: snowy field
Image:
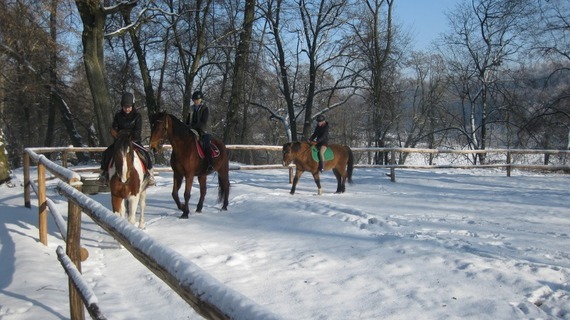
445 244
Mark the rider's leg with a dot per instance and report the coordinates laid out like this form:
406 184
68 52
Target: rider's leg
148 163
105 158
207 150
322 149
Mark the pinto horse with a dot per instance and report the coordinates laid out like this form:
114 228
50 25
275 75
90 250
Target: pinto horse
126 178
301 153
186 161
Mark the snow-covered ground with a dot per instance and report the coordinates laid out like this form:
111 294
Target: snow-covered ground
445 244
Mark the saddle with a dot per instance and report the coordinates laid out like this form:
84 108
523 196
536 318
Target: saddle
214 151
329 154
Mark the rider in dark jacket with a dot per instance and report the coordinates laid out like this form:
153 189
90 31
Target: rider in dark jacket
198 121
320 138
127 119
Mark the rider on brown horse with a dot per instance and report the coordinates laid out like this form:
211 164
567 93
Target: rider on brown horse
198 121
128 119
320 138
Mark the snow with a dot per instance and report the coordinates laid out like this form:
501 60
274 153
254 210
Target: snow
439 244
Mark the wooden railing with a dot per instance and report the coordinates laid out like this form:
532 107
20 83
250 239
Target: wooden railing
191 283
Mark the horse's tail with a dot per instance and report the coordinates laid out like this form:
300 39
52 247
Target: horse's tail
222 188
350 164
224 180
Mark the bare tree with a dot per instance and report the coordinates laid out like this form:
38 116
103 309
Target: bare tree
485 34
306 54
233 132
373 42
32 60
423 117
93 15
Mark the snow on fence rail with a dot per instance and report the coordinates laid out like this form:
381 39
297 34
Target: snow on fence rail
207 296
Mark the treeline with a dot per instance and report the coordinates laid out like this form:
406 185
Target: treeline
499 77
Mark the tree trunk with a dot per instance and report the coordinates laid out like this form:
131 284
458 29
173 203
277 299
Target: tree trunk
151 103
52 74
232 132
4 164
93 17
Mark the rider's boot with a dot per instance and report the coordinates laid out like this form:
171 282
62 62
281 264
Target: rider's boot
208 159
103 178
150 177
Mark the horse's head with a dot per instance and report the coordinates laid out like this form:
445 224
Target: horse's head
159 130
123 155
290 150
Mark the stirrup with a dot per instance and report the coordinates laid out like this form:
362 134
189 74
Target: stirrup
150 179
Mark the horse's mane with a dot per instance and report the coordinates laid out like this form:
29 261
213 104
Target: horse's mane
123 139
178 127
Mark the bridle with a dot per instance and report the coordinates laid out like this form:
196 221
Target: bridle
164 131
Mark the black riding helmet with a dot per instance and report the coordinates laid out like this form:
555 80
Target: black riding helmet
197 95
128 99
320 118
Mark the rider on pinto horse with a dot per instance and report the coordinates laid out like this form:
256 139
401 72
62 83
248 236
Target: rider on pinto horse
127 119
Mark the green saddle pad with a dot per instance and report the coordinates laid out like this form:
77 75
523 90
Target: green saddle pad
329 155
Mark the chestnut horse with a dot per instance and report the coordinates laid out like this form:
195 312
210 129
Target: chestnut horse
126 178
186 161
301 153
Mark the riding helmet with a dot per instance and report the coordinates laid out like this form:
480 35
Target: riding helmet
320 118
197 95
128 99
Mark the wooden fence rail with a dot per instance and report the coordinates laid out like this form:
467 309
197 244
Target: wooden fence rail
507 154
192 284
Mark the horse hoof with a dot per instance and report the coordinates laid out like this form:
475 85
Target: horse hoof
184 216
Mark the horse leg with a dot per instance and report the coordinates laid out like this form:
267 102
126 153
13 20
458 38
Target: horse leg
133 202
317 178
177 182
187 190
298 174
118 205
203 188
142 205
339 180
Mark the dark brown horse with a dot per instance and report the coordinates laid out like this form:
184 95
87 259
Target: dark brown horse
186 162
301 153
126 178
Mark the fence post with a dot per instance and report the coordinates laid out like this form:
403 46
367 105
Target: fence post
64 158
42 203
73 251
509 159
27 180
392 163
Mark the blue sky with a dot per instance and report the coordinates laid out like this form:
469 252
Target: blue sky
425 19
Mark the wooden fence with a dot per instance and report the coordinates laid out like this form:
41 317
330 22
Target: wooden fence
191 283
132 238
